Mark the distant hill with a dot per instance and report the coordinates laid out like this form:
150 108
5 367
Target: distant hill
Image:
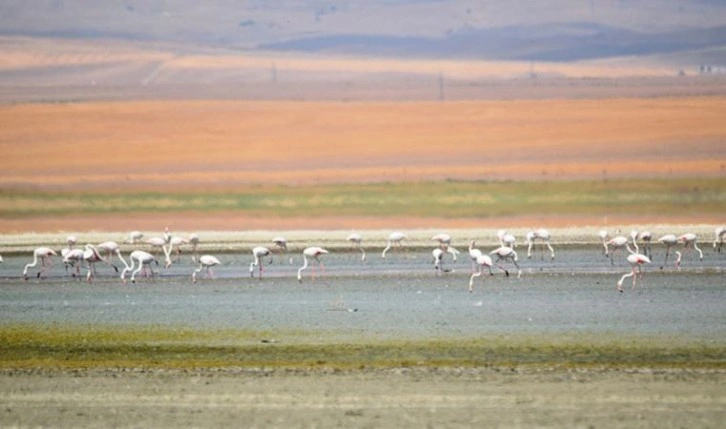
546 42
554 30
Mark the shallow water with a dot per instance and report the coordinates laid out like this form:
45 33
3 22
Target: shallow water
400 297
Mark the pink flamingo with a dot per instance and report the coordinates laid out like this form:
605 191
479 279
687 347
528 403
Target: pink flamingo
73 258
144 259
91 256
618 244
281 245
669 240
394 238
111 248
206 262
259 253
690 240
314 254
357 240
46 263
540 234
636 260
719 236
507 254
604 239
481 261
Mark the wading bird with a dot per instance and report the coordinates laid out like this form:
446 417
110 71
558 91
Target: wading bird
540 234
690 240
194 241
481 262
314 254
505 238
636 260
258 253
91 256
46 263
617 244
111 248
281 245
144 259
604 239
669 240
719 237
357 240
134 237
505 253
206 262
394 238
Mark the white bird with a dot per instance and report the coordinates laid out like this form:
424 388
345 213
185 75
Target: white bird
481 262
604 238
357 240
134 237
394 238
258 253
73 258
91 256
505 238
314 254
70 241
636 260
540 234
144 259
617 244
442 239
719 236
46 263
178 242
690 240
646 237
506 254
194 241
438 255
669 240
281 245
111 248
206 262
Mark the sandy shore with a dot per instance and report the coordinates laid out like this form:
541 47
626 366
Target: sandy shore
404 397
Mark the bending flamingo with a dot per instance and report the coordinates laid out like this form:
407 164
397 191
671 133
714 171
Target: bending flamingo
481 261
144 259
540 234
281 245
618 244
690 240
604 239
357 240
505 238
314 254
258 253
91 256
636 260
394 238
206 262
719 236
46 263
506 254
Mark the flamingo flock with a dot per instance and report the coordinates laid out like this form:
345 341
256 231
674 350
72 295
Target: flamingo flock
141 261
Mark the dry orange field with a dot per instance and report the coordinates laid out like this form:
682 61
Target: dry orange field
215 144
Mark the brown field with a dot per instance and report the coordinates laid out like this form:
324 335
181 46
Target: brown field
134 146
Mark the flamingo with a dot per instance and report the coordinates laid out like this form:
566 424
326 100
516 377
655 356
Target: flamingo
604 238
474 255
636 260
111 247
194 241
719 236
690 240
507 254
206 262
481 261
678 260
669 240
70 241
144 260
443 239
258 253
178 242
505 238
646 237
394 238
73 258
91 256
540 234
134 237
356 239
281 245
312 253
438 255
617 243
46 263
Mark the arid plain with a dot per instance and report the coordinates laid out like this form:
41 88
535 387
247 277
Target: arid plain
88 129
